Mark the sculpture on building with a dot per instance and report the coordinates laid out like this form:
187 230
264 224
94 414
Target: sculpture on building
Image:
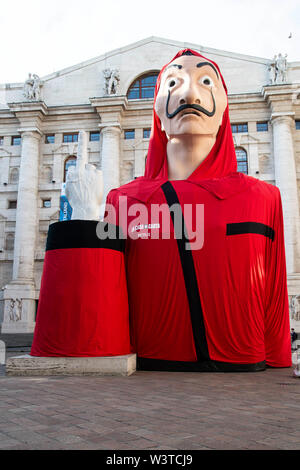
193 250
281 63
278 69
15 311
295 307
32 88
273 71
112 80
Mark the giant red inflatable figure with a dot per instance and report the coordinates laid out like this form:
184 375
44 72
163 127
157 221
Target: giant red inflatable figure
216 303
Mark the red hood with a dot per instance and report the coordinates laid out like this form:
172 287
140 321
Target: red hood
215 173
220 161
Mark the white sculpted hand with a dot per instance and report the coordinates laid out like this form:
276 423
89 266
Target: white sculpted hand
84 185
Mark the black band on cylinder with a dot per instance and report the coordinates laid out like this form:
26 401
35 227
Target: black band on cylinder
83 234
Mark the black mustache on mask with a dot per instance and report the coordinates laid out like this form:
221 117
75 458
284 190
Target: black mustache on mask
197 107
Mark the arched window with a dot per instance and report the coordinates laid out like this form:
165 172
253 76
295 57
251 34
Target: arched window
143 87
242 161
70 161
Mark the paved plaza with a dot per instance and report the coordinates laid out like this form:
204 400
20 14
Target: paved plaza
151 410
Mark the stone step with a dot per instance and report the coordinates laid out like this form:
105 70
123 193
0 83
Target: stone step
26 365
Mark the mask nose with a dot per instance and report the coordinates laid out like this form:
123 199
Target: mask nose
190 94
185 101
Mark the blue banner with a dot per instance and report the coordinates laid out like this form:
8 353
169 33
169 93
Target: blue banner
65 212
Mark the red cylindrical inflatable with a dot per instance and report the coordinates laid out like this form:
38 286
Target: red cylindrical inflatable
83 304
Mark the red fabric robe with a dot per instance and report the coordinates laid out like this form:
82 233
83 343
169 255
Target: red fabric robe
221 307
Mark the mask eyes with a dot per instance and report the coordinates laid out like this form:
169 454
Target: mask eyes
206 80
172 82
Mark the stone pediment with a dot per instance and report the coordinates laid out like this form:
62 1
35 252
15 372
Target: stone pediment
86 80
153 42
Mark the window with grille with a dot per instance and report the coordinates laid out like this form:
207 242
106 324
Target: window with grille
242 161
146 133
239 127
50 139
94 136
46 203
16 140
143 87
70 137
129 134
261 126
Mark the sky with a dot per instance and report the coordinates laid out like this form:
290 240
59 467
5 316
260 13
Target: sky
45 36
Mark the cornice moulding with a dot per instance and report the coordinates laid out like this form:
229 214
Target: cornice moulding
34 107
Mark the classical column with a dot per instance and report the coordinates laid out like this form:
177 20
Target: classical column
110 136
20 294
285 177
111 110
26 218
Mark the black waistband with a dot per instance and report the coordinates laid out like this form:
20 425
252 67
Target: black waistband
204 366
83 234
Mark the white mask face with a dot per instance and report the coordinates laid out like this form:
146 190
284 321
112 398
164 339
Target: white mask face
191 98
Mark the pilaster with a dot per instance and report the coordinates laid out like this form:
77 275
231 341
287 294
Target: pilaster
110 110
110 137
20 294
281 102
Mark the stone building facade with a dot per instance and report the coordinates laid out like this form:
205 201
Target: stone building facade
110 97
